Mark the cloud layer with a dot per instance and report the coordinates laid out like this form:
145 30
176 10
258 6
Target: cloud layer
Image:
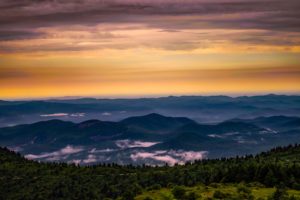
63 115
56 155
106 23
108 47
125 144
170 157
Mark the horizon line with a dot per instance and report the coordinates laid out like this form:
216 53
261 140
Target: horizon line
114 97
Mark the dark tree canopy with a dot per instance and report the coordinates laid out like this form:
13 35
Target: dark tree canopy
25 179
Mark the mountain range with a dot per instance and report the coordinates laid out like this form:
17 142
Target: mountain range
151 139
203 109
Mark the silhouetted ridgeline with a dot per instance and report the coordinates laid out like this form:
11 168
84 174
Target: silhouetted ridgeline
25 179
151 139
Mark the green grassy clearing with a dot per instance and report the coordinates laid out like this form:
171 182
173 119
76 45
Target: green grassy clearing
207 192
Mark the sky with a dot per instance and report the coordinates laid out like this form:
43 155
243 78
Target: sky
52 48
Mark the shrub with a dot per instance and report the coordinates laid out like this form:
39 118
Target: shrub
178 192
214 185
191 196
154 187
280 194
220 195
244 192
148 198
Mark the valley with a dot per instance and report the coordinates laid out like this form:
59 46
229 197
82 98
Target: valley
150 139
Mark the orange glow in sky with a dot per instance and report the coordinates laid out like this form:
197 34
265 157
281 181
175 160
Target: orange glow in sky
51 49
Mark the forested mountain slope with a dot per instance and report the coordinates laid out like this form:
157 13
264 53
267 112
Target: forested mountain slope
148 139
24 179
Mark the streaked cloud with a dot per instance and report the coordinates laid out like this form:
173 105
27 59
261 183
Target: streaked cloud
55 115
107 150
125 144
90 159
56 155
170 157
108 47
76 21
63 115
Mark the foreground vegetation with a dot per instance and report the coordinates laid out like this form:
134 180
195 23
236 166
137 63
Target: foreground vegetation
220 191
246 177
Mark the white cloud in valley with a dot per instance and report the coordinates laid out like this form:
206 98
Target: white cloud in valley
170 157
56 155
125 144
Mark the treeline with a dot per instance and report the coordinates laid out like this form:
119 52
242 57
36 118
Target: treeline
24 179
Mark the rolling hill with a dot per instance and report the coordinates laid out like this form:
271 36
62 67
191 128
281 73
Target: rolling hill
152 139
21 178
203 109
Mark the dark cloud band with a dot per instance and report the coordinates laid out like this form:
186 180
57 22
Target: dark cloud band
23 20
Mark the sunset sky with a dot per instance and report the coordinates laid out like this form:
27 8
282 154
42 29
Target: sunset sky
115 48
